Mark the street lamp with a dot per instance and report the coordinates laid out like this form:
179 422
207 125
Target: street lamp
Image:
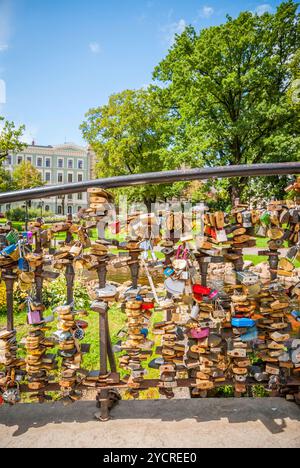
41 206
26 204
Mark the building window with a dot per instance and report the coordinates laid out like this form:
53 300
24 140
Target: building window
79 208
59 209
39 162
19 160
47 176
59 177
80 164
47 208
70 178
79 196
29 159
7 207
70 196
48 162
70 163
79 177
9 159
70 210
60 163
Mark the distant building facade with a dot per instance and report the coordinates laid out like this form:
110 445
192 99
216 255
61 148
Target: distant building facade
61 164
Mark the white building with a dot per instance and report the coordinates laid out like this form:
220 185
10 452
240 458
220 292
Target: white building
59 164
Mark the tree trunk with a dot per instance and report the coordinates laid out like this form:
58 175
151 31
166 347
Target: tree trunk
148 202
235 191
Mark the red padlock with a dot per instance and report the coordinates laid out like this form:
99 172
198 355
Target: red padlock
199 289
82 324
147 305
115 227
198 297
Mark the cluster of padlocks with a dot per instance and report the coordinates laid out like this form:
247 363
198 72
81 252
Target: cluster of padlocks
213 332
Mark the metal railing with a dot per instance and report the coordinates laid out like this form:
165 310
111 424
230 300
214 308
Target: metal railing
166 177
104 396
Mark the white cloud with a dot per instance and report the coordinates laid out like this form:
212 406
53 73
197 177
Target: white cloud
206 12
264 8
95 47
170 29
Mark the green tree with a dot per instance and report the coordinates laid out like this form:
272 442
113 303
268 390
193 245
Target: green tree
25 176
9 142
10 137
227 89
132 134
5 180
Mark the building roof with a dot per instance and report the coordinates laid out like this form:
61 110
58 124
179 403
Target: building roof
66 149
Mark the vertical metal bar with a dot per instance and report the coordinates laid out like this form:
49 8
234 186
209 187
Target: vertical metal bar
203 271
111 355
70 275
273 264
8 278
103 399
103 341
39 270
134 268
101 272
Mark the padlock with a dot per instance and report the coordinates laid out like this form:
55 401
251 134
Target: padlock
12 237
11 395
79 334
221 235
265 218
292 252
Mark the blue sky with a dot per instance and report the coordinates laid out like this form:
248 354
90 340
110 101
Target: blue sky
58 58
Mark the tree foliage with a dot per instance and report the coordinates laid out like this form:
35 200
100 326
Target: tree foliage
5 180
10 138
228 88
26 176
223 96
131 134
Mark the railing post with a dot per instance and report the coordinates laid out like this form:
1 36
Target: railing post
70 276
70 272
9 278
134 268
39 270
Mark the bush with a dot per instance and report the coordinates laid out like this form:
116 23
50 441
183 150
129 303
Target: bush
19 214
56 293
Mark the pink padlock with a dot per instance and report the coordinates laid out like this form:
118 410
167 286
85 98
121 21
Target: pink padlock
34 317
29 237
199 333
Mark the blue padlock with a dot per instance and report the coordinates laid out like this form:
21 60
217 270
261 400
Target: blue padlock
251 335
242 322
296 314
168 272
144 331
23 264
9 249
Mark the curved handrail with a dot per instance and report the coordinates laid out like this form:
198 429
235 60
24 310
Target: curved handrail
131 180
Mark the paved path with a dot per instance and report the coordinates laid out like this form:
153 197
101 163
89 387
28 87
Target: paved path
270 422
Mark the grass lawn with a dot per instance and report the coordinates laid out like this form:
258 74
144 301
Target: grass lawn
117 321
